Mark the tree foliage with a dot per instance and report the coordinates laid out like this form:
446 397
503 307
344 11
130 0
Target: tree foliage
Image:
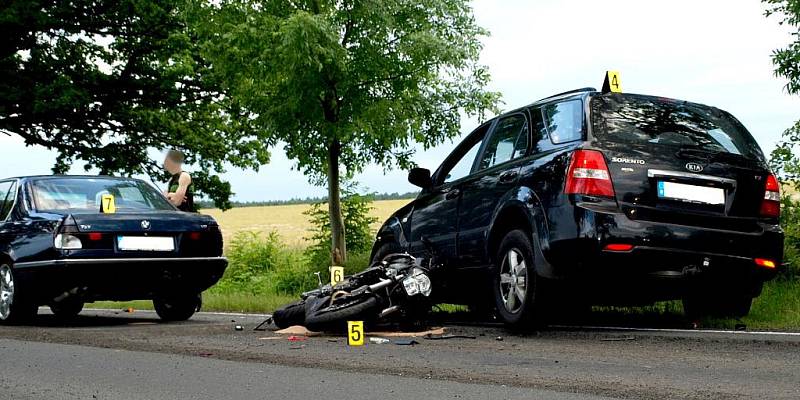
350 83
785 161
107 81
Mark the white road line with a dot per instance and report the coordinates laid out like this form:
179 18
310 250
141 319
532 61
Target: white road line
693 331
224 314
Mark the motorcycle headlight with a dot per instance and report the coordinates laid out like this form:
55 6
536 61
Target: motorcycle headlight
417 282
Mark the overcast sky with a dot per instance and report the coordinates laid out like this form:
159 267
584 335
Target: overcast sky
712 52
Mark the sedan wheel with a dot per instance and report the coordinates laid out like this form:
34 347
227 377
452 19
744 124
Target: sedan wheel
6 291
11 308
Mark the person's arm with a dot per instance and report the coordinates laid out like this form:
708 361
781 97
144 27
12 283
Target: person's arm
179 196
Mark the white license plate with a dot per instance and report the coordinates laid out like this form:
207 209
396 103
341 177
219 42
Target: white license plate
691 193
145 243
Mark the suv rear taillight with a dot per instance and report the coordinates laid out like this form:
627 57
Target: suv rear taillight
588 174
771 205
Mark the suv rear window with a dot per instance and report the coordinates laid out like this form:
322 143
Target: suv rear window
642 119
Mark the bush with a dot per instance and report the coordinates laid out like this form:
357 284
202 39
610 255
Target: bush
790 221
260 264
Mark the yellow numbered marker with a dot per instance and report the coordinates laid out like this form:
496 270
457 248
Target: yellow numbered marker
613 83
107 204
337 275
355 333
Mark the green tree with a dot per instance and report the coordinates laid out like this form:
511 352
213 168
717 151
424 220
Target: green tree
106 81
357 224
349 83
785 160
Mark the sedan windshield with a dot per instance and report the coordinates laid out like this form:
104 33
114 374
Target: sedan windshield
84 195
642 119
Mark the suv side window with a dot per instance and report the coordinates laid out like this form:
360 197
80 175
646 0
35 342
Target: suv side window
541 140
459 164
564 121
509 140
7 195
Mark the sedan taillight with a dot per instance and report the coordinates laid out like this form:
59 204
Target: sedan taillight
588 174
771 205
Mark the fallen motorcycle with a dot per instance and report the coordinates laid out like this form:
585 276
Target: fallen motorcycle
400 285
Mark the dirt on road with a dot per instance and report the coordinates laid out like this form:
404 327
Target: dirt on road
627 364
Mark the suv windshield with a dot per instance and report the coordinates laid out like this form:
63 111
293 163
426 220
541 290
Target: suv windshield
630 119
84 194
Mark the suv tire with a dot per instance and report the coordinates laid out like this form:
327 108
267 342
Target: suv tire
717 305
516 286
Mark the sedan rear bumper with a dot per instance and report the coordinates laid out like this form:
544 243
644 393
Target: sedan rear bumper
117 279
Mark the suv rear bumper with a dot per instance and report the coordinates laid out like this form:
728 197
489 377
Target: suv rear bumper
663 253
117 279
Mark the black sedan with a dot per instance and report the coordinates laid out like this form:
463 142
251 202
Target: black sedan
67 240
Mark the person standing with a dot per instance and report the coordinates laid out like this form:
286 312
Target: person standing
179 189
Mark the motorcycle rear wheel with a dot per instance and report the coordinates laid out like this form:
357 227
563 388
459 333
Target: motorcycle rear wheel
290 315
328 319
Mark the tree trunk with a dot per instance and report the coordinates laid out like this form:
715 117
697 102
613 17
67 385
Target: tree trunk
338 247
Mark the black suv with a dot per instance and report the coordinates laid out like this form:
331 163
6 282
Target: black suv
612 198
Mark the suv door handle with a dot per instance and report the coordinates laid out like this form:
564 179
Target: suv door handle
452 194
508 176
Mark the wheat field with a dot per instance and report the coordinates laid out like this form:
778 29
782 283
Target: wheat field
287 220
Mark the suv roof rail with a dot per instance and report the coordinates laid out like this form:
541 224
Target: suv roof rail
581 90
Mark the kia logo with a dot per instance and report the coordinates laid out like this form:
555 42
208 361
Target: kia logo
145 224
694 167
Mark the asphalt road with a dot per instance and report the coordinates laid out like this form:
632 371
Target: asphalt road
132 356
55 371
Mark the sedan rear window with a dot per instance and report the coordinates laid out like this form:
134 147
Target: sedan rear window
84 194
641 119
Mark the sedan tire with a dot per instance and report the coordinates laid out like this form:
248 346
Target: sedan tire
67 309
177 307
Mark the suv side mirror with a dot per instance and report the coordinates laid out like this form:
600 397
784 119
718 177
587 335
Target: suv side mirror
420 177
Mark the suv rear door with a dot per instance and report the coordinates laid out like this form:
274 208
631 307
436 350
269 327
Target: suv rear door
679 162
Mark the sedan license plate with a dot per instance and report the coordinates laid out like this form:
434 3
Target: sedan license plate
145 243
691 193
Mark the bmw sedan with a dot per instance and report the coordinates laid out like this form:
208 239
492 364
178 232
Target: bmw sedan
68 240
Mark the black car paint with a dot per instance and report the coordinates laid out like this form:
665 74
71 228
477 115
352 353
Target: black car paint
44 272
569 231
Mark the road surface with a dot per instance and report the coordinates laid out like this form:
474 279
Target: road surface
132 356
